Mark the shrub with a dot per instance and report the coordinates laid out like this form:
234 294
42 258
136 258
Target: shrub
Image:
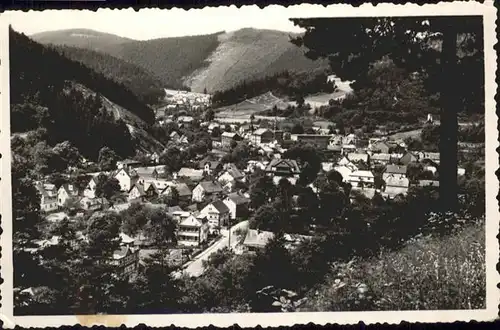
429 273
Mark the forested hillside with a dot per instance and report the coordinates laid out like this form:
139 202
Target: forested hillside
45 96
143 84
285 83
216 61
170 59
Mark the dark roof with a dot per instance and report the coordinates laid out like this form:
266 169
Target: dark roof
290 163
396 169
182 189
238 198
211 186
140 187
234 172
212 163
220 206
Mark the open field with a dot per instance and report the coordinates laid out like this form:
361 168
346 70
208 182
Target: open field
245 109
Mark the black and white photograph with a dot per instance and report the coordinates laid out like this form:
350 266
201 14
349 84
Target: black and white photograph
170 166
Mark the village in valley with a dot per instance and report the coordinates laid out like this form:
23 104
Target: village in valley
269 184
210 200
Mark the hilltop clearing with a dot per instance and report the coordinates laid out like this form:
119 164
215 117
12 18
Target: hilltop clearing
82 38
252 106
249 54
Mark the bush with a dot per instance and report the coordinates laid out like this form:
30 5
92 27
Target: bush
428 274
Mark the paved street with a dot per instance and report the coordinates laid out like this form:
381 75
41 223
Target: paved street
195 267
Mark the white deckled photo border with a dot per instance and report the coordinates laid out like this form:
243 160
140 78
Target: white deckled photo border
459 8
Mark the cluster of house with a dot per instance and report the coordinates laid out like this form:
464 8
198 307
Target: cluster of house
185 100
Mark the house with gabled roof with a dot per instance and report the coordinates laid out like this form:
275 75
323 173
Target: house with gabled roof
362 178
89 191
283 168
380 158
358 157
238 205
231 174
209 166
228 137
408 157
190 173
206 190
125 178
65 192
396 171
431 156
261 136
126 260
127 164
345 171
395 186
183 191
192 231
428 183
217 213
136 192
48 203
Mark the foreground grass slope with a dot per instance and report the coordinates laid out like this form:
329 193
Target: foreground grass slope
428 274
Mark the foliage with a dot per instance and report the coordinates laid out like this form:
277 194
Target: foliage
436 273
32 68
155 289
288 83
106 187
143 84
107 159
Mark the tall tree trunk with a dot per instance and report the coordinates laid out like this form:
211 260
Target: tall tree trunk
449 121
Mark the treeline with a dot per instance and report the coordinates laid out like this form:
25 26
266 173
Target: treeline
42 71
287 83
388 95
144 85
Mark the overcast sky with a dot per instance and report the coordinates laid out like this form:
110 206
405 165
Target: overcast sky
156 23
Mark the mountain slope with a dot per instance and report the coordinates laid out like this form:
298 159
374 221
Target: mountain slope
73 103
216 62
83 38
147 87
250 54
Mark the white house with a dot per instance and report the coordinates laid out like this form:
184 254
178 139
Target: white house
48 203
230 175
89 191
192 231
394 171
217 214
65 192
345 171
362 178
136 192
206 189
125 179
